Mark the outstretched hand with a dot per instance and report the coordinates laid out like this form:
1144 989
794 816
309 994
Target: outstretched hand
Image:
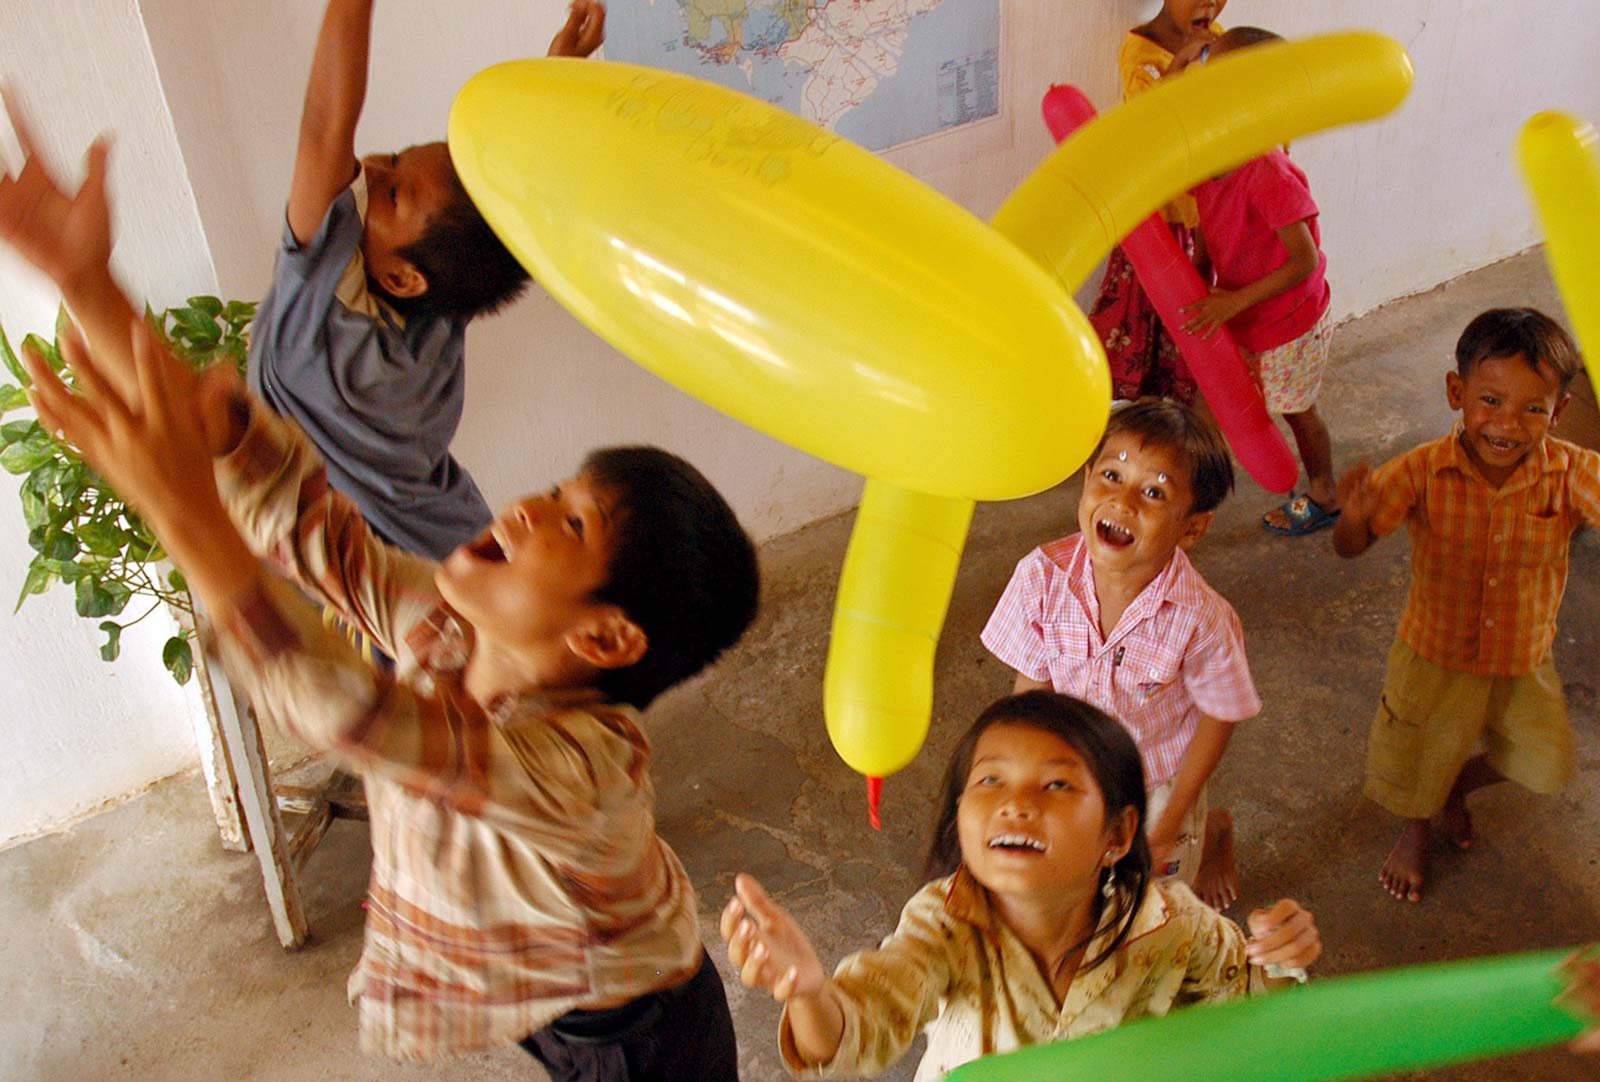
152 444
1285 935
65 236
583 32
767 946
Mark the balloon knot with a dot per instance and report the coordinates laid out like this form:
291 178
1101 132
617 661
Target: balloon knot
874 797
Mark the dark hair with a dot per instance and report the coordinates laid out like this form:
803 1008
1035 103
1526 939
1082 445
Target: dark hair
1242 37
1509 332
681 568
1187 433
470 272
1111 756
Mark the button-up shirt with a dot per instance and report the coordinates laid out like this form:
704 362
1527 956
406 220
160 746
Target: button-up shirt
516 871
955 967
1177 652
1488 565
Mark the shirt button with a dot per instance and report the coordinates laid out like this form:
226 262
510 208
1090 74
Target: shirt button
1489 622
1498 538
1494 582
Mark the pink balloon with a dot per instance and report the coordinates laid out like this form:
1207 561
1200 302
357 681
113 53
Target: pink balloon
1171 283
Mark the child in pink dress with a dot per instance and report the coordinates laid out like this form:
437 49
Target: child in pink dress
1259 233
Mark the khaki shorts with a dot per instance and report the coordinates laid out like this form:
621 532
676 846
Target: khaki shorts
1431 719
1184 864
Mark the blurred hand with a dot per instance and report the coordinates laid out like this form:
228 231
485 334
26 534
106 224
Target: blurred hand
767 946
64 236
584 31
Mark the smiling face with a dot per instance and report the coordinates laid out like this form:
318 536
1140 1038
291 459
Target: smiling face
1507 407
1032 820
1136 507
527 583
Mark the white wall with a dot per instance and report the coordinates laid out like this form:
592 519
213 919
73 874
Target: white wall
1409 202
79 731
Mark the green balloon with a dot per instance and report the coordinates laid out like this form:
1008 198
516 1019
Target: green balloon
1347 1027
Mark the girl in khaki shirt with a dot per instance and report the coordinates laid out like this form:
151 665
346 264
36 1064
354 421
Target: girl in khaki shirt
1044 926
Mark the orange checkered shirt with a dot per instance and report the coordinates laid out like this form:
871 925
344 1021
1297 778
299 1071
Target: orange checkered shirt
516 870
1488 566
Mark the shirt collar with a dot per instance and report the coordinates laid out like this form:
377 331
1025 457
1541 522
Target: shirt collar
1449 454
442 644
1178 583
968 901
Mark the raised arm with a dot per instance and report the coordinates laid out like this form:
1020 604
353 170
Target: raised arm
68 238
325 161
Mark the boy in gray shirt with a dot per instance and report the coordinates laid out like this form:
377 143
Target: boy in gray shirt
384 261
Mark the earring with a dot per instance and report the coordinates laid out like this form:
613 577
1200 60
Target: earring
1108 889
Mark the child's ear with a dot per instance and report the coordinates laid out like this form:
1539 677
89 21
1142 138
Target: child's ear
1455 389
1193 530
403 280
1121 831
609 640
1561 404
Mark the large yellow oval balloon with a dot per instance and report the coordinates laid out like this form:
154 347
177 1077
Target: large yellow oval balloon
783 275
1558 161
817 293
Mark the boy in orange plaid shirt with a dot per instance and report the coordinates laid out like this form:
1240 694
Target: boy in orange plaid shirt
1491 508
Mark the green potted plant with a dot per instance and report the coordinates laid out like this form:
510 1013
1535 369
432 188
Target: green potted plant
83 535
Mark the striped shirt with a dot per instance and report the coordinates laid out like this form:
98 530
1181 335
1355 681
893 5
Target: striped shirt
1488 565
956 969
1177 652
516 871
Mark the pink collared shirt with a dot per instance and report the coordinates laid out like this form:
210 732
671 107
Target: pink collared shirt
1177 652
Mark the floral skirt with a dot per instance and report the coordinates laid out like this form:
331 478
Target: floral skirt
1142 356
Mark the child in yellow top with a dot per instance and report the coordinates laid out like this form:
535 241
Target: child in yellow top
1142 356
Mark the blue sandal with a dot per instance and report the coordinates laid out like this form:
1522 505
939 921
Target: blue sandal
1305 516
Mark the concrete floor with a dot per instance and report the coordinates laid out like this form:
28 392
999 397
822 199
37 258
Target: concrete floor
136 948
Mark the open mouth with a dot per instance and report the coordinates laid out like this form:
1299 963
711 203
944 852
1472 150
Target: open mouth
486 547
1112 534
1202 23
1504 447
1016 843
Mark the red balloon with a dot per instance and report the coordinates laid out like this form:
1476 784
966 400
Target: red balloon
1172 283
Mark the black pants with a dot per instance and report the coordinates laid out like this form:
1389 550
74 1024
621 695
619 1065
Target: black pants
684 1034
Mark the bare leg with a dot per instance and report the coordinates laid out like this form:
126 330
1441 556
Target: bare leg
1405 869
1476 774
1316 453
1217 883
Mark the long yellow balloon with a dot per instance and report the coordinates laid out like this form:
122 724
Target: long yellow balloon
1115 171
1557 152
819 294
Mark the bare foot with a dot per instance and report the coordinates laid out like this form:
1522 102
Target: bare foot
1402 874
1458 821
1217 883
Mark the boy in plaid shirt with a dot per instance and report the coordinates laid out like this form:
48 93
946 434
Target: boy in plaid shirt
1117 616
1491 508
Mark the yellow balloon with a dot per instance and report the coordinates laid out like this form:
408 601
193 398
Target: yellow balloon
1558 161
783 275
819 294
1116 170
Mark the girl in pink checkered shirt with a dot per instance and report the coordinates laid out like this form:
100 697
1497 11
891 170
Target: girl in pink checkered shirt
1116 615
